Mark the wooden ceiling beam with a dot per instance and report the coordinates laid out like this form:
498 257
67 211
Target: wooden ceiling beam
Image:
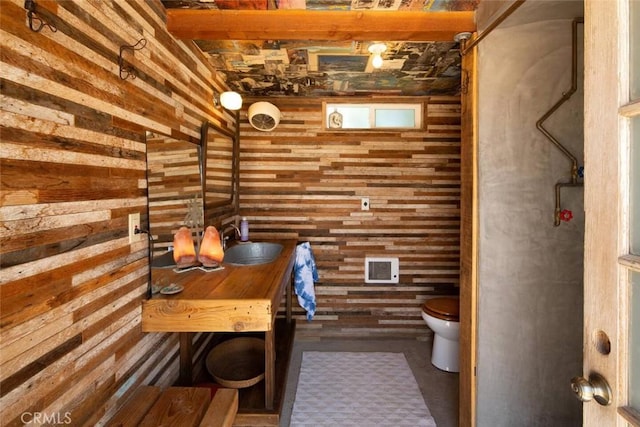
194 24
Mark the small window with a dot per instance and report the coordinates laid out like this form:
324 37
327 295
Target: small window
372 116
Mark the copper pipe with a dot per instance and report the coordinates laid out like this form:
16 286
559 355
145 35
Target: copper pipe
565 97
466 48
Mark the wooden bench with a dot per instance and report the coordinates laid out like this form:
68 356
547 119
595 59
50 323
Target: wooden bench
178 406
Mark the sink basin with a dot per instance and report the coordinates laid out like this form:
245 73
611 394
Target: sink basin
252 253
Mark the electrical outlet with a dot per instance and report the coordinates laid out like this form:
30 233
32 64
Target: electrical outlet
134 223
364 204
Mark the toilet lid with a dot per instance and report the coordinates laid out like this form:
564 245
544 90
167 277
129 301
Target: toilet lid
444 308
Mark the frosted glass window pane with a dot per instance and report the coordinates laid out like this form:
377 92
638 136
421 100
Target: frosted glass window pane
634 39
373 116
634 343
635 185
395 118
355 118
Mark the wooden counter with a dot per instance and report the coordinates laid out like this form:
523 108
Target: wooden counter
234 299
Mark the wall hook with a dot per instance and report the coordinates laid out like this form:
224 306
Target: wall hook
36 23
125 70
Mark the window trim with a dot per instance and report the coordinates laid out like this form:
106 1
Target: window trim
417 106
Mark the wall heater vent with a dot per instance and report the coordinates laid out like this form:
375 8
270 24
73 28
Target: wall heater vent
381 270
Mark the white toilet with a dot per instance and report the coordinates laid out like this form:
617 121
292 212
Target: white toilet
443 317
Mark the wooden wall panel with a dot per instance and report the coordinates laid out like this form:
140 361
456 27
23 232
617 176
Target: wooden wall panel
302 182
73 167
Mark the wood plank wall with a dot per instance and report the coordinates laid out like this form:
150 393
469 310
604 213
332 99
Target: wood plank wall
72 170
300 181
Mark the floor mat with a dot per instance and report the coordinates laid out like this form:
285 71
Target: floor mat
342 389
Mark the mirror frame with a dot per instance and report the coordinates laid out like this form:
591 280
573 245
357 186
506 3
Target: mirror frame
232 200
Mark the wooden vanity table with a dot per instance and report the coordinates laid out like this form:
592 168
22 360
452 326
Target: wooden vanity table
234 299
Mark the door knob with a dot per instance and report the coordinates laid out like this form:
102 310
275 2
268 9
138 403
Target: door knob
596 387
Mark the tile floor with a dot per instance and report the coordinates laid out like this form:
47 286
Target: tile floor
439 389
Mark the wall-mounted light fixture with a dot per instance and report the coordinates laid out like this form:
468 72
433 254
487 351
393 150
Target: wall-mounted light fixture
229 100
376 50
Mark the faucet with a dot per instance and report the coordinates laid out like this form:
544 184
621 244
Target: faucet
223 239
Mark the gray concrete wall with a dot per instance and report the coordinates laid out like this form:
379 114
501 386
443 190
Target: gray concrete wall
530 272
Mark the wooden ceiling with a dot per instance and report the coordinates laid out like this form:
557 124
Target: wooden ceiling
313 25
320 47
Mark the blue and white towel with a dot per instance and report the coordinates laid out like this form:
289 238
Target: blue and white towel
305 275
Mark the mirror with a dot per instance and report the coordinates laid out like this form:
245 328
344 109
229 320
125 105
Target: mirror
220 166
180 193
174 183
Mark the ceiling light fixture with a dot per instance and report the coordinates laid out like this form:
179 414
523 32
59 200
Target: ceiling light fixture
376 50
229 100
